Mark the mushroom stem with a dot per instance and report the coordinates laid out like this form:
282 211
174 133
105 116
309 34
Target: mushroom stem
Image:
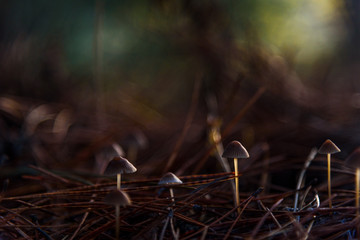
329 178
117 212
237 184
118 176
357 183
172 194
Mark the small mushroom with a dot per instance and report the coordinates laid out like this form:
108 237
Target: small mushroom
353 161
118 166
236 150
328 148
170 179
119 199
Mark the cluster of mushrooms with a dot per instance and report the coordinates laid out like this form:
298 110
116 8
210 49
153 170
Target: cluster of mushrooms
234 150
352 161
118 198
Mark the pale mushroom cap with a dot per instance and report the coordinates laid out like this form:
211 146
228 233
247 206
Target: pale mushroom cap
328 147
169 179
119 165
353 159
117 198
235 150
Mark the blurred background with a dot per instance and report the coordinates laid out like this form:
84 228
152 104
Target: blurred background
79 76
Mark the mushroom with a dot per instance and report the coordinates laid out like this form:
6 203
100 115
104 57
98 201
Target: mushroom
236 150
328 148
118 199
106 154
118 166
170 179
354 161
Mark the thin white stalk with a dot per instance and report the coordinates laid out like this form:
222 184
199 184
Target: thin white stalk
172 194
224 164
237 184
329 178
118 176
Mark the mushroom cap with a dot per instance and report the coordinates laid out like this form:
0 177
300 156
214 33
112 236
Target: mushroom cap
117 198
235 150
353 160
169 179
328 147
119 165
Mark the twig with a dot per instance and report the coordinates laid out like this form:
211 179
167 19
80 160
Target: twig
304 197
257 228
164 227
237 218
28 221
259 190
271 214
50 174
310 157
203 236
